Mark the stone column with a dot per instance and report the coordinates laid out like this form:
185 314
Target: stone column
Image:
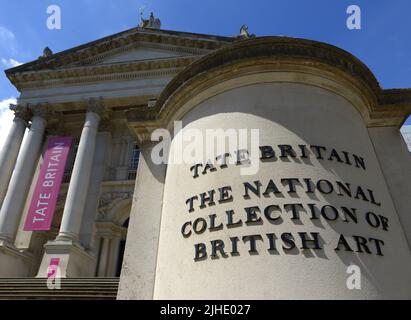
101 155
75 260
22 176
114 256
10 151
80 179
104 256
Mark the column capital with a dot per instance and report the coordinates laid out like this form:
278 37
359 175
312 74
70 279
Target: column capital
21 112
42 110
97 106
143 135
56 128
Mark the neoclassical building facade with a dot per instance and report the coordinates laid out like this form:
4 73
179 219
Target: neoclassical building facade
87 93
332 187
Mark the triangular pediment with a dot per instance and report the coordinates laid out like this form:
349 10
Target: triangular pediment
132 45
138 53
137 46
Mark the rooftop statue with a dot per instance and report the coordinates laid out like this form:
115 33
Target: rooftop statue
151 23
46 53
244 34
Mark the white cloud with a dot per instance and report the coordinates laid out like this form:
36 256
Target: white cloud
6 34
10 63
6 119
8 41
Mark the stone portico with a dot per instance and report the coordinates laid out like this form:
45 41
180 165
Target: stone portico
85 92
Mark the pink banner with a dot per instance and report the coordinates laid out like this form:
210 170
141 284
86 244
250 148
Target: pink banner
44 200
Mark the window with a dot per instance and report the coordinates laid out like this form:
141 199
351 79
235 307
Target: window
132 168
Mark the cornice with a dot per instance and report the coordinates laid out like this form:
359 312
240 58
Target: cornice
395 97
316 63
100 78
106 72
278 48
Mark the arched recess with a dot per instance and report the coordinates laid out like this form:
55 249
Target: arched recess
110 236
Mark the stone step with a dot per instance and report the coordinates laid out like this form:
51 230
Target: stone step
62 279
71 288
54 297
62 283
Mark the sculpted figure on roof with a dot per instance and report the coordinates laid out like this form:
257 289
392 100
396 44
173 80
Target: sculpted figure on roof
151 23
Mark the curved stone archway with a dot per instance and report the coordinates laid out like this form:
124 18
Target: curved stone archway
110 235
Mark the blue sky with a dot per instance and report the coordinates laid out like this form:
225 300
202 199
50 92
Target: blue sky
383 43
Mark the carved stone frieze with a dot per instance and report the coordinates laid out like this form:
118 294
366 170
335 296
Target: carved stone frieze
109 200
